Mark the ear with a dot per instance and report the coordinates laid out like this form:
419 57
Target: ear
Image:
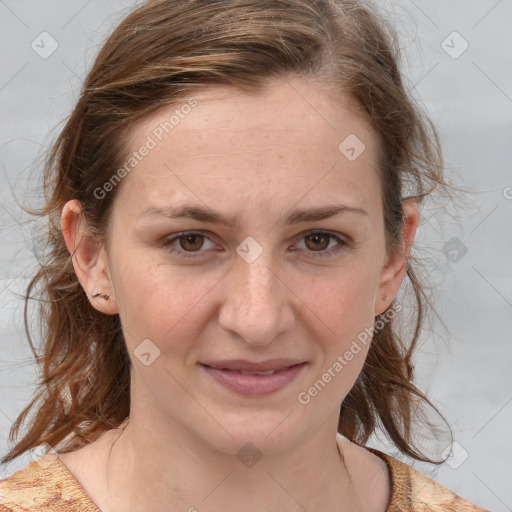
395 268
89 259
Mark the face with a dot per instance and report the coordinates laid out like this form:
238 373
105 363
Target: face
248 240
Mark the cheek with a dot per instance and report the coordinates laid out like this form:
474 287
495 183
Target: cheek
345 306
159 302
344 302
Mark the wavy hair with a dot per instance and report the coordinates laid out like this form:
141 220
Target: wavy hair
160 54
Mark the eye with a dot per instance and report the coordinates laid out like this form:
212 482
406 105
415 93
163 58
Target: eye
316 243
187 243
322 243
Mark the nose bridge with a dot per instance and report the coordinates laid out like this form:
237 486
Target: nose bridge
259 283
256 306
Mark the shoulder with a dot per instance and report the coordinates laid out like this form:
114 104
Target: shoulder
43 485
412 490
396 486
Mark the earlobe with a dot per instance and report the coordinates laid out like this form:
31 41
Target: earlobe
89 259
393 272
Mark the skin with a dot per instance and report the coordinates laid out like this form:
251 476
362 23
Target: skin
257 157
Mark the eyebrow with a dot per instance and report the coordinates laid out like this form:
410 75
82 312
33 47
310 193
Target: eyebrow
207 215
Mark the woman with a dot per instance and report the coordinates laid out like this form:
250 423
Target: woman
232 206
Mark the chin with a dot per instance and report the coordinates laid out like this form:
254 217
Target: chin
264 432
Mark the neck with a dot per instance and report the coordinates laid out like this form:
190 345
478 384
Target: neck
145 471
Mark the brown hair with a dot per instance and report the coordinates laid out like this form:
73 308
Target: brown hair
159 55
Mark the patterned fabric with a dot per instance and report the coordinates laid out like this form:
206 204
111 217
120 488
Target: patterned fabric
412 491
47 485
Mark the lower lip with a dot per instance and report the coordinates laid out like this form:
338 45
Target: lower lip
255 385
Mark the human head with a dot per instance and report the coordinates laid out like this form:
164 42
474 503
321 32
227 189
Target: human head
242 45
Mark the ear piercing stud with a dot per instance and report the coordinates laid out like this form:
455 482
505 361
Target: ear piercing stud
103 295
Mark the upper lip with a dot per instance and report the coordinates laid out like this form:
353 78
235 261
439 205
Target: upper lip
253 366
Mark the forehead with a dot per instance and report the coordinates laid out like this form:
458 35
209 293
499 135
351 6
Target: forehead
293 131
283 105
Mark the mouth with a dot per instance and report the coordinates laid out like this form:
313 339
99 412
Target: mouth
269 372
254 379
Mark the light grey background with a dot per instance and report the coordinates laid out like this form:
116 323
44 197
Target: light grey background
465 359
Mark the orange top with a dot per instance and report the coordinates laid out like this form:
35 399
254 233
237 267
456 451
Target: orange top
47 485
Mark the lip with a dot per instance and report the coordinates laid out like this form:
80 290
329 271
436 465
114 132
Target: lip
227 373
252 366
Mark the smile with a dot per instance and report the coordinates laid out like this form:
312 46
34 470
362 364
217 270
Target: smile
252 382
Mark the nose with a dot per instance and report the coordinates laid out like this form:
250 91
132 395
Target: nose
258 305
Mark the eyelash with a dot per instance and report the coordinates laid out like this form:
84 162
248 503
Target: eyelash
167 243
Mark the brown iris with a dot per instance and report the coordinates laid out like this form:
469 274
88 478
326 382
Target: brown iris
191 242
321 240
